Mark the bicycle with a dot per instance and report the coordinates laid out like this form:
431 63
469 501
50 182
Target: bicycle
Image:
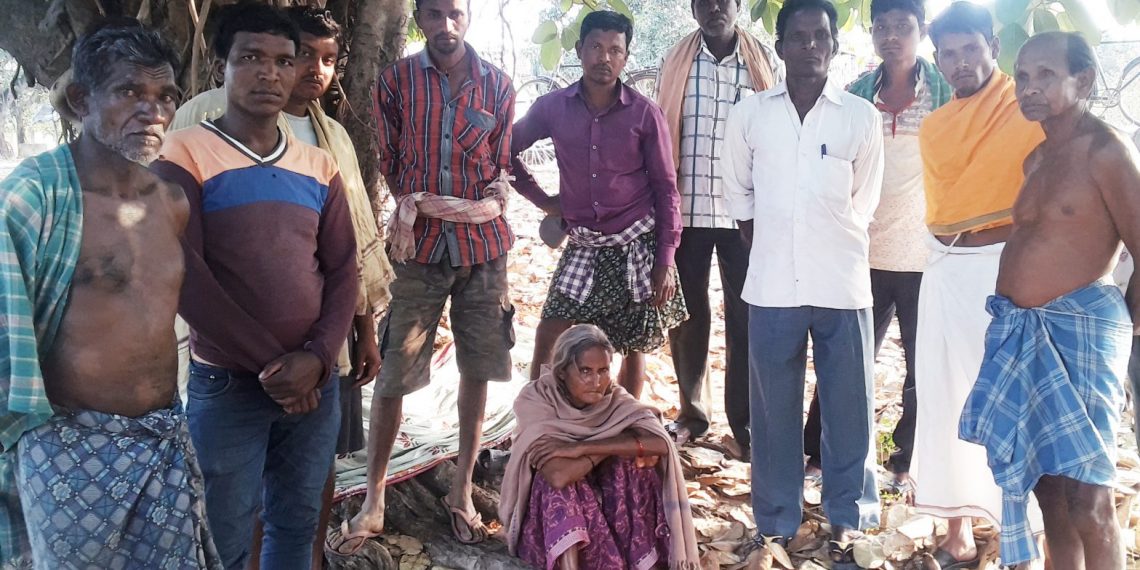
1125 96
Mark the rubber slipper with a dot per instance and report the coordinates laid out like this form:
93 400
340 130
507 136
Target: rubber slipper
679 432
338 538
471 526
946 561
842 555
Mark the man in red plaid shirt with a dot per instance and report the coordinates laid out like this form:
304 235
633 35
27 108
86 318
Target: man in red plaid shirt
444 117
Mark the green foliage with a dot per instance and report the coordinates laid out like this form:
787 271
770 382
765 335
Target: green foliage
560 33
1016 20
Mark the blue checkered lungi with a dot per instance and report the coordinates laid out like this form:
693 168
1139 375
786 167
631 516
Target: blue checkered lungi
112 492
1048 398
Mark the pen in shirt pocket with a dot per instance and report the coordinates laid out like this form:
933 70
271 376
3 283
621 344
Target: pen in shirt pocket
822 151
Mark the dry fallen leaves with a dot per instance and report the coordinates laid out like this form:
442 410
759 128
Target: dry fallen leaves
719 488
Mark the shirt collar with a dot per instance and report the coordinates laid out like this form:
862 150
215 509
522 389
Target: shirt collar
735 49
831 91
919 80
478 66
625 96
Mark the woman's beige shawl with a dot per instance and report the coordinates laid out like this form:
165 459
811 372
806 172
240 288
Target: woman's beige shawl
542 410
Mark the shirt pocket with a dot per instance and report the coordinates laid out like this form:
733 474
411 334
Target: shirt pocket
472 126
836 175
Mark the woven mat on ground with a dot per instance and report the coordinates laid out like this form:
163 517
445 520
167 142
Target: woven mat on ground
429 432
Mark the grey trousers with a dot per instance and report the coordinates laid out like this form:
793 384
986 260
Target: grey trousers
842 351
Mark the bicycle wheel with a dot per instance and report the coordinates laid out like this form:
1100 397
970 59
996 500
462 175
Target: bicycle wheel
644 81
540 153
1129 91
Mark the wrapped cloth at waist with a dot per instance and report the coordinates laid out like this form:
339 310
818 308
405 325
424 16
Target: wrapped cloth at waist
1048 398
401 238
576 279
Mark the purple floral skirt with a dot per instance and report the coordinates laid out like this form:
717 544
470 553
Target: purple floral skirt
614 516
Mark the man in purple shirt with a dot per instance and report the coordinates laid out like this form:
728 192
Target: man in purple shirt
618 203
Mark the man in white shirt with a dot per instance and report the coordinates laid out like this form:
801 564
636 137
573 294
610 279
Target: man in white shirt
803 171
701 78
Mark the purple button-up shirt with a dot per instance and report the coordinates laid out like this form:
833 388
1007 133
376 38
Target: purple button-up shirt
614 166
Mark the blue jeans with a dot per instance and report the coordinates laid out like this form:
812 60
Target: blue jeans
253 454
842 351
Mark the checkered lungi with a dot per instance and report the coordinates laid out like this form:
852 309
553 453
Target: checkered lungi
111 492
1048 398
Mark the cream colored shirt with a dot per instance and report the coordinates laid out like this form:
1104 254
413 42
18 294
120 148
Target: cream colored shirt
898 232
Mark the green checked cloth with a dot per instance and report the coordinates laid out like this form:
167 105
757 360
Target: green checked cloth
41 208
868 84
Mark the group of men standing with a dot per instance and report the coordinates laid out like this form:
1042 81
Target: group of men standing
934 192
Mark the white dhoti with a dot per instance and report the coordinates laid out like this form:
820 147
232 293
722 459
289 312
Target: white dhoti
952 477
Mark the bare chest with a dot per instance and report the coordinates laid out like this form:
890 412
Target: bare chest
1058 189
128 246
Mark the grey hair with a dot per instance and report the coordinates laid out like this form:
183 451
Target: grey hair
573 343
115 41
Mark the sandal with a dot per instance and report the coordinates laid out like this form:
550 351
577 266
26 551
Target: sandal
680 433
338 538
467 530
946 561
842 555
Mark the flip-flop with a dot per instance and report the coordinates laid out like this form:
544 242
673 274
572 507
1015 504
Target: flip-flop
338 538
842 555
679 432
946 561
472 526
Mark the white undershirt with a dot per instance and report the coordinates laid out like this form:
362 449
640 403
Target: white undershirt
302 129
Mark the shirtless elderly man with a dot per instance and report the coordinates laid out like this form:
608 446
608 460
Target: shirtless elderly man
104 468
1047 400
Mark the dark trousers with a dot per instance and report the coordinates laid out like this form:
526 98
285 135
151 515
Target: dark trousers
895 293
689 342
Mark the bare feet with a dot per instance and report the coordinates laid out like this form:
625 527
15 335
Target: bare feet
959 542
569 559
369 519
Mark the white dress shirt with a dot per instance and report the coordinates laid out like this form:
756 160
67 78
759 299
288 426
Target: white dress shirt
810 190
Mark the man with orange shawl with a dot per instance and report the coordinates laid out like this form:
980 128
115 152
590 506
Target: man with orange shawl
701 78
594 481
972 151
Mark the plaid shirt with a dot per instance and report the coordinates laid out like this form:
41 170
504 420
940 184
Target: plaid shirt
576 278
711 91
42 213
1047 399
449 143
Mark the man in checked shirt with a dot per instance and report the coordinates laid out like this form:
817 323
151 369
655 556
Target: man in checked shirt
444 118
702 77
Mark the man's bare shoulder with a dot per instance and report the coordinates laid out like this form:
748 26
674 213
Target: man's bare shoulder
1108 147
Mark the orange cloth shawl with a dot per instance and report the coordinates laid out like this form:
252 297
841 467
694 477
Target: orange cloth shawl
674 76
972 154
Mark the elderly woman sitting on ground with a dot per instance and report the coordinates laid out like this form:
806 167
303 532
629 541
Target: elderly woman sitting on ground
593 481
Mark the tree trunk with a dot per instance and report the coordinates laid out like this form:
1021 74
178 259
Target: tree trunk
6 107
377 33
21 127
